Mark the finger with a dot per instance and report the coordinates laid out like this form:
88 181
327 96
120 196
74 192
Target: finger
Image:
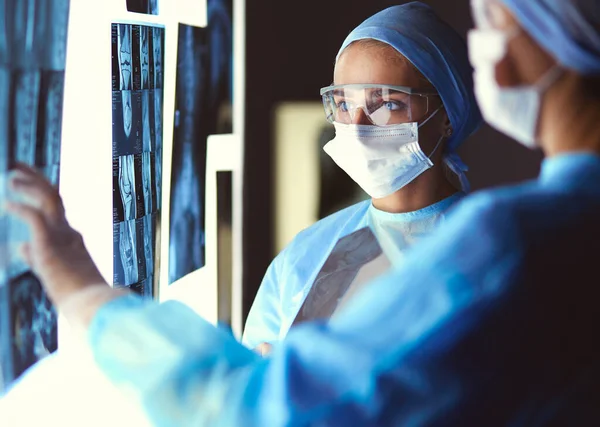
38 195
32 217
26 173
29 171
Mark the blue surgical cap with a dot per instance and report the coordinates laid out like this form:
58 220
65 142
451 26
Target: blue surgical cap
567 29
440 54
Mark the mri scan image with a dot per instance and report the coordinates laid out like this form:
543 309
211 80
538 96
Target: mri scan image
127 122
50 118
139 186
25 112
203 96
149 7
149 243
126 263
147 132
34 322
141 57
124 55
127 186
148 189
157 57
33 37
137 81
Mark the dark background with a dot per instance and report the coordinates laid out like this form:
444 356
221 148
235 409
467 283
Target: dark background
290 52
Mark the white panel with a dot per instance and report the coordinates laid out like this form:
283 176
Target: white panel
297 168
225 153
86 170
191 12
198 289
86 159
239 102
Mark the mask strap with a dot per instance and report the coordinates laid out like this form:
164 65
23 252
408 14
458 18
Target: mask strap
436 147
441 138
549 78
431 116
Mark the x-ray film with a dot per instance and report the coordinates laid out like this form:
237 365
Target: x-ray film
49 118
125 253
33 322
137 57
148 187
127 122
203 98
157 53
141 56
149 7
25 98
122 75
32 61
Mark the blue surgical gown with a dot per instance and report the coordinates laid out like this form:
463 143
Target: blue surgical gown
292 273
491 321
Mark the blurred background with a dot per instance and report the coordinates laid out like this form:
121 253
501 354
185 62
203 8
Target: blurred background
289 181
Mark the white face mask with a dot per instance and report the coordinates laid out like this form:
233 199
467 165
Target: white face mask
381 160
514 111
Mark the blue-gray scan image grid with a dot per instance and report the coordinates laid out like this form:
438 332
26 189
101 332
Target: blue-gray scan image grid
33 36
137 129
203 100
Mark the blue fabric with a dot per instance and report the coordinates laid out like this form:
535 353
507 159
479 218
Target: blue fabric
568 29
437 51
492 321
292 273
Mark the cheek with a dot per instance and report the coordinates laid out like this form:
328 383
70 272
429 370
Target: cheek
506 74
430 134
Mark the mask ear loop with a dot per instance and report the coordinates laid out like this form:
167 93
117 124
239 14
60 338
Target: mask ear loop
549 78
436 146
441 138
431 116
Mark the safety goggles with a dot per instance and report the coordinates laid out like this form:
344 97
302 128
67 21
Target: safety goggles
383 105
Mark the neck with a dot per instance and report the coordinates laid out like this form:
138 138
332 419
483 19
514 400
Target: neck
428 188
569 119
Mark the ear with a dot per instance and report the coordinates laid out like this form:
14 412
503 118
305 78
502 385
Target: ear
446 126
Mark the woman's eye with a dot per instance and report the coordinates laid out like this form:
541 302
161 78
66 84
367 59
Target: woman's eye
342 106
393 105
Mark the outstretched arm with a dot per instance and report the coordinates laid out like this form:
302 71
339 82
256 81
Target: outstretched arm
369 366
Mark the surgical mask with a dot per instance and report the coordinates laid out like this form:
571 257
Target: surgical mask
514 111
381 160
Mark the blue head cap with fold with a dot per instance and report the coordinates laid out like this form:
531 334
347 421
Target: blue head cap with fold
567 29
440 54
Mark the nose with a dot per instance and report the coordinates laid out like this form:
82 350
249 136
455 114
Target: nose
360 117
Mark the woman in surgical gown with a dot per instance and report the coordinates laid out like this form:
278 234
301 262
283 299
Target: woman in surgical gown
401 78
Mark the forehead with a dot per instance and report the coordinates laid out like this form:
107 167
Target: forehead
368 64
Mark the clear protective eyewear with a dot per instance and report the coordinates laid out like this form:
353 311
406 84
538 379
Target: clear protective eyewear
383 105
